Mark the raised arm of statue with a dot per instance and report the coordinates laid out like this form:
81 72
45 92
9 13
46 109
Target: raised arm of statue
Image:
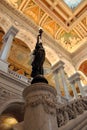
39 57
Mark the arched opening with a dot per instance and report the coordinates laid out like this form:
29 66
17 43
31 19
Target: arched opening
19 57
83 71
83 67
13 114
1 36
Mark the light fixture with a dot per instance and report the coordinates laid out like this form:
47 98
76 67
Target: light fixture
7 122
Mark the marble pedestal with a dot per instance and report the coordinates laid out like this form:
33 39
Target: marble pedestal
40 107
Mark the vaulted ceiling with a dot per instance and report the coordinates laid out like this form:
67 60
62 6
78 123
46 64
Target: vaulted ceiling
64 20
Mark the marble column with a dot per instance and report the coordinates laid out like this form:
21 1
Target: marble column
65 85
55 73
59 67
40 107
74 90
76 79
7 42
80 87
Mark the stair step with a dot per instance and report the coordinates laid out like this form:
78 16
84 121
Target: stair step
85 127
78 123
81 126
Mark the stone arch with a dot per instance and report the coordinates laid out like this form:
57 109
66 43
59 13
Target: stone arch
1 36
19 57
83 78
81 73
81 61
27 37
15 110
7 103
51 55
20 42
82 69
82 66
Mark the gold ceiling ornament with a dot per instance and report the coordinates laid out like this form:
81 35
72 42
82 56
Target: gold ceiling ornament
56 17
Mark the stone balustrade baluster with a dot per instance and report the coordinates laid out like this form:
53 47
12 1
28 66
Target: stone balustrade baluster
75 78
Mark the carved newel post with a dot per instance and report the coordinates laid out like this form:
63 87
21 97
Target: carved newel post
40 107
40 98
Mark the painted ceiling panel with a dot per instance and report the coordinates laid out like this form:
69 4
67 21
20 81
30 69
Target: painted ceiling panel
15 3
68 27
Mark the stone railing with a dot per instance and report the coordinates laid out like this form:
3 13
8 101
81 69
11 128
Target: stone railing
61 99
64 100
85 89
18 76
71 110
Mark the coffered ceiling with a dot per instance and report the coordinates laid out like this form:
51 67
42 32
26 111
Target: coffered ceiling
64 20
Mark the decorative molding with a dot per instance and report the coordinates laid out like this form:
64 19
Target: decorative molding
13 79
47 100
5 94
41 93
37 87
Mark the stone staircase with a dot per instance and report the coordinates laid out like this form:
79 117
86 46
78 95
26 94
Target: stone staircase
80 123
73 116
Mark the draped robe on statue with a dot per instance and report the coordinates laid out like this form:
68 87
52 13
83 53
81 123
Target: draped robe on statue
39 58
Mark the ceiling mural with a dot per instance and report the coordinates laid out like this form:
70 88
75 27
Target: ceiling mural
56 17
69 40
15 3
84 22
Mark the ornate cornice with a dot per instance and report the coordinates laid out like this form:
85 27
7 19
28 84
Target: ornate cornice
18 14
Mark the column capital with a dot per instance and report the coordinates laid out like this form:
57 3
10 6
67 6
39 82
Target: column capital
72 82
74 77
12 31
56 67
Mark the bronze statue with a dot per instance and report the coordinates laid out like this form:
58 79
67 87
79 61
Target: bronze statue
39 57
